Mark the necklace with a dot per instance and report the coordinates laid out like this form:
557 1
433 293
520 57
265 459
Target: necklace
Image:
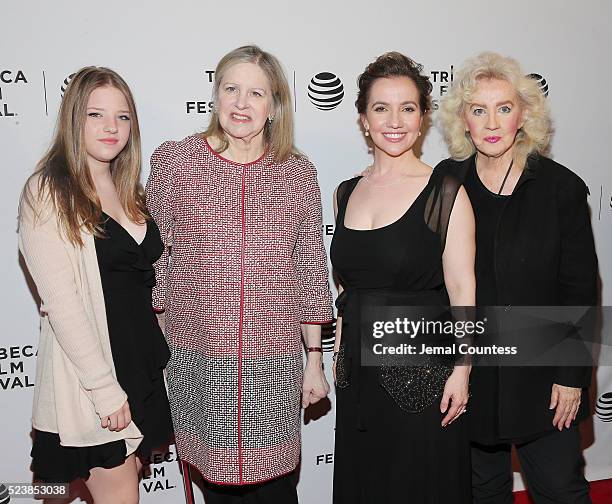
505 178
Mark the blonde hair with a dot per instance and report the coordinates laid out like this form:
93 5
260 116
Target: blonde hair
278 135
63 173
534 135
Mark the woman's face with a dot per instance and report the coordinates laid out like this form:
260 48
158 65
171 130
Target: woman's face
107 127
493 116
393 117
244 101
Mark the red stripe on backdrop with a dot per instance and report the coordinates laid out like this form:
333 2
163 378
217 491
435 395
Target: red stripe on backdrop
601 493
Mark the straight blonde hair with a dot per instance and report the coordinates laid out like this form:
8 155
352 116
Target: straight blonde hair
63 173
278 135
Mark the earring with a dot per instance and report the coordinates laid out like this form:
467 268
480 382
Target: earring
367 132
270 119
419 133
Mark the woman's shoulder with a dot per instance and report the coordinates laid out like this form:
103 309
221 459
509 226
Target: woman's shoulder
299 168
35 195
452 168
171 149
553 171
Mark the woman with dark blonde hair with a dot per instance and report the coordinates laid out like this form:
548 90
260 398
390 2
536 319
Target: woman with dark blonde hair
243 275
100 404
534 248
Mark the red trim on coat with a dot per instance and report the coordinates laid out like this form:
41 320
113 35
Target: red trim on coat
215 153
187 482
318 323
240 326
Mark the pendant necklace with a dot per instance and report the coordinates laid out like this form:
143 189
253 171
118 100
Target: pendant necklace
505 178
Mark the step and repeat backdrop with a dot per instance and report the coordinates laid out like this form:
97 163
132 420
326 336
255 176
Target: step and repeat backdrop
167 52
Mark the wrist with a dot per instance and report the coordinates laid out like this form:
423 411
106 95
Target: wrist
463 369
314 358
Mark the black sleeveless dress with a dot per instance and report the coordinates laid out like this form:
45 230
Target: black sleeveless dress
390 446
140 354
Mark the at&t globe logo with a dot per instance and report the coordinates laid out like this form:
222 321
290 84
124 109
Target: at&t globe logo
5 498
541 82
66 82
328 336
603 408
325 91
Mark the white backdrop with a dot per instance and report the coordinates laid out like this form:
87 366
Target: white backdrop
166 50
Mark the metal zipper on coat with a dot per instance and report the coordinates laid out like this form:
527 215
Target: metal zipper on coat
240 326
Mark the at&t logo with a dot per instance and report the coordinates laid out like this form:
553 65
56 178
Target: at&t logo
66 82
541 82
603 408
5 498
328 336
326 91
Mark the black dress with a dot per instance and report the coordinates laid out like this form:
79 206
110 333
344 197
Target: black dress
488 207
384 453
140 354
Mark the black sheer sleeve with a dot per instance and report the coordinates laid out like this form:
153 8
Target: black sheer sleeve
440 204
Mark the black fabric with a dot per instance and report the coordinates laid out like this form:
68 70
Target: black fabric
140 354
487 208
544 256
382 453
277 491
552 465
54 463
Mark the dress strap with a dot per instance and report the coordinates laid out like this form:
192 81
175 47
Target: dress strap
343 194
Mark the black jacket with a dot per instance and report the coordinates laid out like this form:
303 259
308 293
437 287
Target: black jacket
544 256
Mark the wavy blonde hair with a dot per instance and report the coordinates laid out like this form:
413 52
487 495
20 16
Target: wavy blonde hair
534 135
278 135
63 173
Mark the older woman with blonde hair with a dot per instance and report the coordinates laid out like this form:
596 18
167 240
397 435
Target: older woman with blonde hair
534 247
244 273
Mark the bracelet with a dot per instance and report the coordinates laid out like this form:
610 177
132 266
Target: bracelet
314 349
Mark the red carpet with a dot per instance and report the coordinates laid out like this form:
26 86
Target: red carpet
601 493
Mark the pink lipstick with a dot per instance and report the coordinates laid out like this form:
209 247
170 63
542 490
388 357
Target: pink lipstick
109 141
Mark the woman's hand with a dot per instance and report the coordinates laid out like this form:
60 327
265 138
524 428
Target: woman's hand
119 420
334 368
567 401
455 396
314 386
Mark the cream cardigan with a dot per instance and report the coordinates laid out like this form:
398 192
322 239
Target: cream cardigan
75 375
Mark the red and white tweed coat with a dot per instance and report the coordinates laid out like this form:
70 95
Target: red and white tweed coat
244 264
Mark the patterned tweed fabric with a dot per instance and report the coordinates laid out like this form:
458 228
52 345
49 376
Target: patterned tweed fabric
244 264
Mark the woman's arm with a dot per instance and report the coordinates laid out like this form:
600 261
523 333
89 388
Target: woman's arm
159 193
458 263
313 281
46 256
578 287
338 333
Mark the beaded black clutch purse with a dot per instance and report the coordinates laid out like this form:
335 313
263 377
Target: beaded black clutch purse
414 388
